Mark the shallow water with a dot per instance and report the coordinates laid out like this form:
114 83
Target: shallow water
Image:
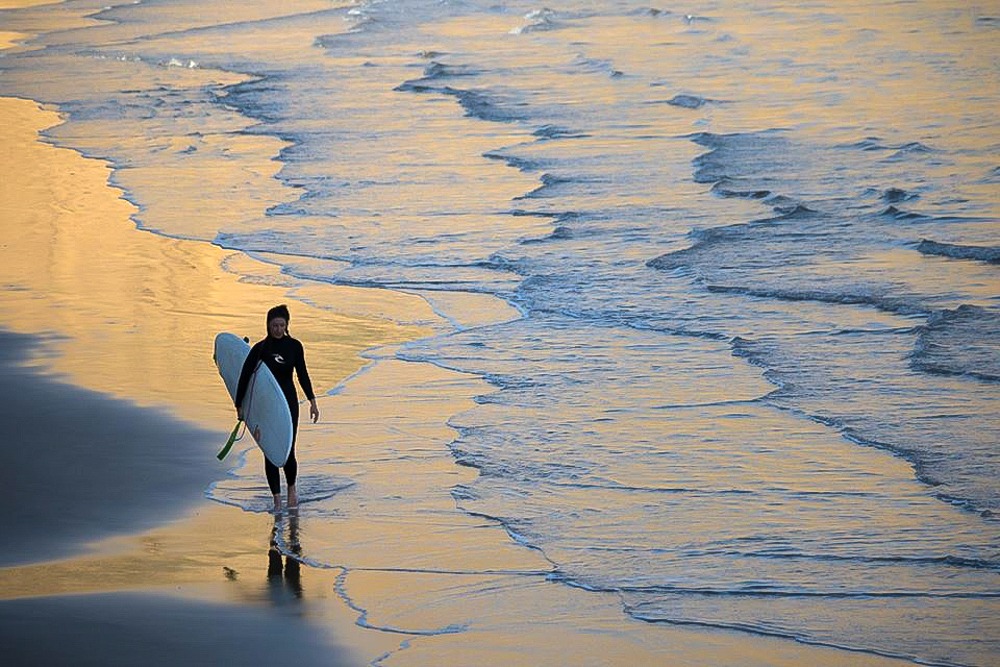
753 383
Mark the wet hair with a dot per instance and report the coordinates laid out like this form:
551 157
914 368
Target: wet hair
278 311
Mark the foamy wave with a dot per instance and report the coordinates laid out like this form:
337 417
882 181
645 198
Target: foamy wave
175 62
988 254
960 342
688 101
538 20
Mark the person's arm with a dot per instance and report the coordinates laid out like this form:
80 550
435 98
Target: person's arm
306 383
249 366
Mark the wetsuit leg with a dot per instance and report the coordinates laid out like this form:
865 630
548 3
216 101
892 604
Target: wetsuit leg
291 465
291 468
273 477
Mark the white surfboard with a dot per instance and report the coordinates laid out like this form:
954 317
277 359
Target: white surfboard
265 409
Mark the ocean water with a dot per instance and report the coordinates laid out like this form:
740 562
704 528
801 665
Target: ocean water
754 383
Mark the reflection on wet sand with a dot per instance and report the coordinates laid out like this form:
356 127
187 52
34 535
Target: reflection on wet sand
284 571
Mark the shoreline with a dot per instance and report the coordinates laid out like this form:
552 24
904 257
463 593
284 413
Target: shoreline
77 266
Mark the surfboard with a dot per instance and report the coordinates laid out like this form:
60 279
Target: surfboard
265 409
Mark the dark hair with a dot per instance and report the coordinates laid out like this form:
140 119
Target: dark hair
278 311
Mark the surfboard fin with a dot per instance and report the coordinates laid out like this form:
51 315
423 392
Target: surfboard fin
229 443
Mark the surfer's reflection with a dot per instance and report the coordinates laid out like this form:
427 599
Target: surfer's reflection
284 572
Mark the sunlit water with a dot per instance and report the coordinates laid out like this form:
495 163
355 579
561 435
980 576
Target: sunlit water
754 384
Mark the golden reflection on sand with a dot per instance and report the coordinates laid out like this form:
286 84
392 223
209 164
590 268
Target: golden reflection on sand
220 554
18 4
9 39
140 311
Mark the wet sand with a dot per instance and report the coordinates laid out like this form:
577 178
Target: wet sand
81 466
134 629
415 581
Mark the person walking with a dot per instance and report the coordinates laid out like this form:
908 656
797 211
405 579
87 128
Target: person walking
283 355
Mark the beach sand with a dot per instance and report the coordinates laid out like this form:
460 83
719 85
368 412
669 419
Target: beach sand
119 554
82 465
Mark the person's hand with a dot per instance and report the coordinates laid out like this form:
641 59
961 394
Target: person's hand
313 411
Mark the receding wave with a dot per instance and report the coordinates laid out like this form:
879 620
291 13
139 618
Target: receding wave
549 183
989 254
517 162
706 239
438 70
560 233
730 188
769 630
558 132
538 20
876 144
899 214
483 104
598 66
754 165
963 341
245 489
690 101
911 148
887 303
894 195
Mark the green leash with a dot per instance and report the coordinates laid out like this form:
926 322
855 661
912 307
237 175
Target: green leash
229 443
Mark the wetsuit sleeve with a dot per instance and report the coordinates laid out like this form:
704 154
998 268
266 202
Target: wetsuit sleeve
300 370
249 366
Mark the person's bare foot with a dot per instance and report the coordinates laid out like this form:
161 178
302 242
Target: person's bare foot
277 503
293 497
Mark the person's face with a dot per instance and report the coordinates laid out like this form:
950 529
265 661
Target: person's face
276 327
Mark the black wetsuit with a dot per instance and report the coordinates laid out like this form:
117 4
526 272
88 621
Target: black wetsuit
282 356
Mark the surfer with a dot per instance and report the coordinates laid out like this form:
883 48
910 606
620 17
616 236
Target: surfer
282 354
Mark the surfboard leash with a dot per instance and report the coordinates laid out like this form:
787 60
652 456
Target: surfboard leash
233 438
